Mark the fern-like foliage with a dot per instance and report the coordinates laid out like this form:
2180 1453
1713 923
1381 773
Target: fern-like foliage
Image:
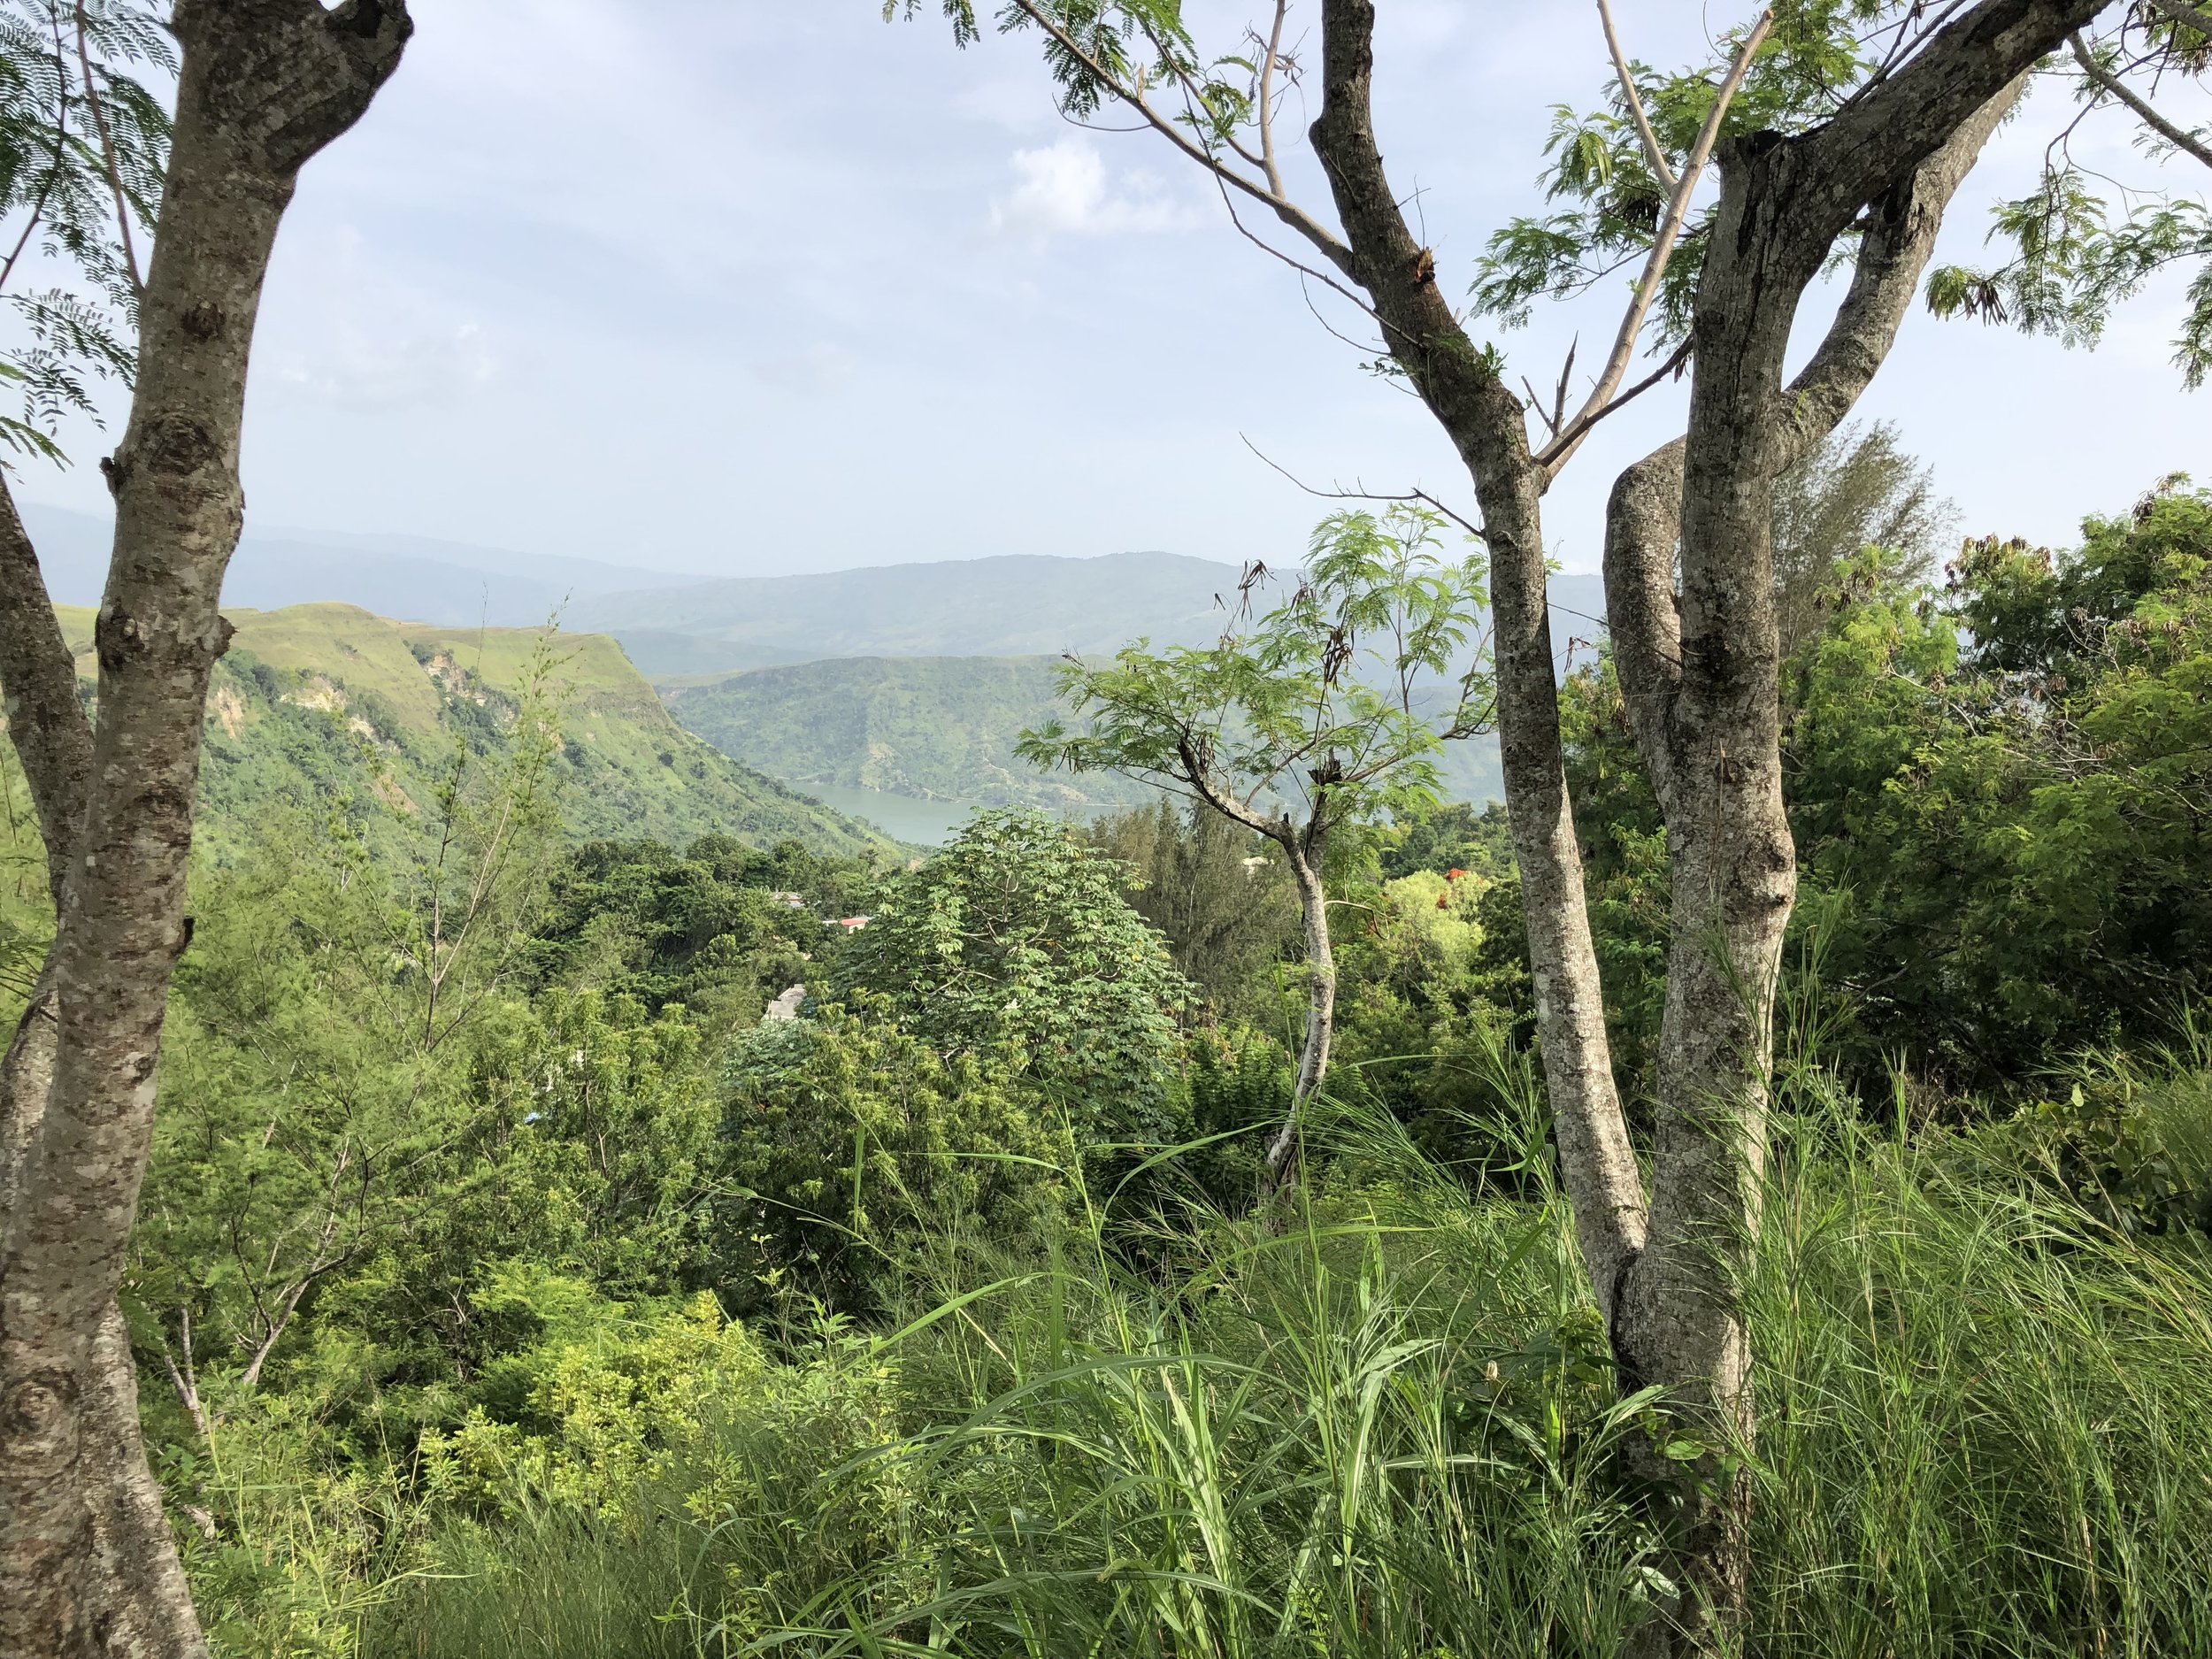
84 146
2074 250
1817 56
1327 712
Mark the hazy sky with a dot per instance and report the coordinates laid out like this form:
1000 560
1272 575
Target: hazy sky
761 285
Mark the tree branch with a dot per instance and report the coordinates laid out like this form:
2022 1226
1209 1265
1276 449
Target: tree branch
2180 13
107 156
1556 454
1873 142
38 677
1421 496
1579 427
2179 137
1643 515
1196 773
1653 154
1894 247
1287 210
1266 100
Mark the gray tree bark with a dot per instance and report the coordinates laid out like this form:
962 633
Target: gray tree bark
87 1563
1700 676
1487 425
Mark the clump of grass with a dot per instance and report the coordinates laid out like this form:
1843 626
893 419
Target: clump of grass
1981 1412
1390 1427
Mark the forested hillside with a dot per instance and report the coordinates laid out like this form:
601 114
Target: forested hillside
937 727
940 728
328 706
1404 1121
505 1281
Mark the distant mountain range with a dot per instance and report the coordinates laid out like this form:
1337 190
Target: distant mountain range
914 680
1019 605
448 584
904 679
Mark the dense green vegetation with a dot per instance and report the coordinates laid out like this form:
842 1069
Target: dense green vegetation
506 1285
1997 788
326 704
941 728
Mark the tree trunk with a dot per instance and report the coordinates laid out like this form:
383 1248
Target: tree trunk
87 1565
1313 1058
1487 425
1699 674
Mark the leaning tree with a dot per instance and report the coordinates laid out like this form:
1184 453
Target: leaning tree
87 1563
1840 133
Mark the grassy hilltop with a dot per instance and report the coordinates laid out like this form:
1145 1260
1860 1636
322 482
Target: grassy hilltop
329 703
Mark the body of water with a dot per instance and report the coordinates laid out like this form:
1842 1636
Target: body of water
925 823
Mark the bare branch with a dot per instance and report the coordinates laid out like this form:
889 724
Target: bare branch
1653 154
1536 404
1578 428
1266 99
2194 17
1287 210
2179 137
1555 455
107 155
1421 496
1273 252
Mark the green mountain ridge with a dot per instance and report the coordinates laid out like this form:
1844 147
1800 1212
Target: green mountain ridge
913 680
328 705
932 728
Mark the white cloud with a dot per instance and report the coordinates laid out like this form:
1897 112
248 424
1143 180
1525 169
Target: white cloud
818 369
353 371
1064 190
1014 102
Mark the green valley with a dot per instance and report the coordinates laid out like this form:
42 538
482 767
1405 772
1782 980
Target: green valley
938 728
932 728
714 1025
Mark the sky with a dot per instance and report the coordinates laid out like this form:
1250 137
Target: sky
758 286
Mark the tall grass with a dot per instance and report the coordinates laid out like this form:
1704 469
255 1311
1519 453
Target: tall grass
1389 1427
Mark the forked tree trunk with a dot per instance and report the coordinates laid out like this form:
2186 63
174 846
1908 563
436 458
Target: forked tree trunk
1700 676
1668 1281
87 1563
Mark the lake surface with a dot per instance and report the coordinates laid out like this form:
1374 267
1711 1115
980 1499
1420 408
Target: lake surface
924 823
